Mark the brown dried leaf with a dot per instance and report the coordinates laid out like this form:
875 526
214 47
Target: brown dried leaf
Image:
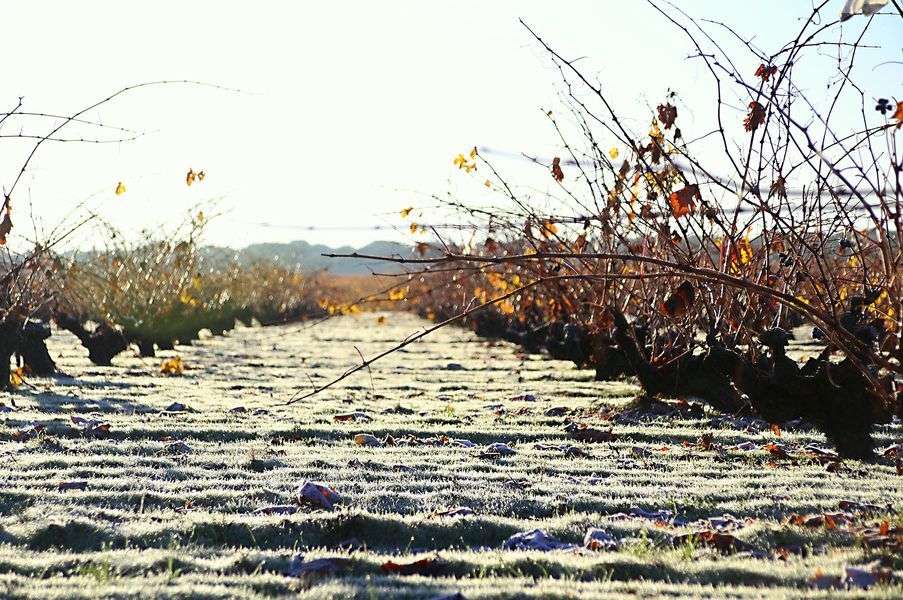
424 566
667 114
557 173
680 301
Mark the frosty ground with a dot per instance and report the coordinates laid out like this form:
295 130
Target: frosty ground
168 503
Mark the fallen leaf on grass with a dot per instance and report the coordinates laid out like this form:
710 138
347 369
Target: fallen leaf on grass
746 446
819 452
536 539
829 521
776 450
72 485
640 452
238 410
311 492
722 523
177 407
367 439
498 449
892 451
424 566
172 366
823 581
90 426
277 509
556 411
883 537
599 539
524 398
458 511
317 566
177 447
356 416
28 432
868 576
566 449
722 542
860 507
584 433
661 515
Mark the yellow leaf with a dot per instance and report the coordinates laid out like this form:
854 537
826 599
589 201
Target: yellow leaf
17 377
473 153
613 153
398 294
120 188
414 227
190 177
506 307
173 366
406 211
381 320
186 298
201 175
548 229
463 163
487 183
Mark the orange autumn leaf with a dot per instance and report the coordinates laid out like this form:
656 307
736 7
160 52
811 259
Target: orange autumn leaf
190 177
683 201
506 307
898 114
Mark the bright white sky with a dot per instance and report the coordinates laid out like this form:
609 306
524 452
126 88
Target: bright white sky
349 110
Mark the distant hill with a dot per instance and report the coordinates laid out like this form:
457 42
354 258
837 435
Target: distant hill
308 256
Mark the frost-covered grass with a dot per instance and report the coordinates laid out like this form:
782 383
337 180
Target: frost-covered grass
153 523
